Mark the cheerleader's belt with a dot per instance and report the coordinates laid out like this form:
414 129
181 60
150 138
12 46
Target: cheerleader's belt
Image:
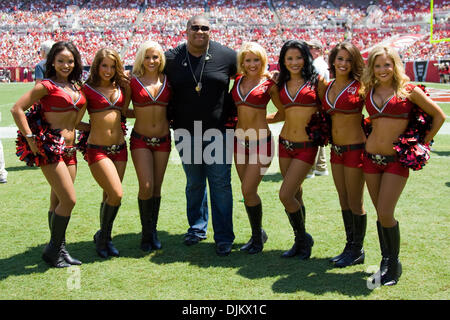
113 149
380 159
246 143
154 142
69 151
339 150
289 145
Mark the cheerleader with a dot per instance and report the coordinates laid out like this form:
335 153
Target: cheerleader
47 137
390 99
150 141
108 94
297 87
341 100
251 92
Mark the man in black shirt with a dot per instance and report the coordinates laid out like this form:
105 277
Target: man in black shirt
199 72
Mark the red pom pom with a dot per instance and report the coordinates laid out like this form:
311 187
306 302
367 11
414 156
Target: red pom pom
123 123
49 141
82 142
410 147
319 128
366 125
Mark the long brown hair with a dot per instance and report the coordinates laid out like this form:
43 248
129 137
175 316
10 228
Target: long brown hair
357 60
119 77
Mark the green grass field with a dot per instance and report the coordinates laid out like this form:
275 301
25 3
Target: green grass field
196 273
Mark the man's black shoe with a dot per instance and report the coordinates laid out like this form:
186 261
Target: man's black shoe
191 239
223 249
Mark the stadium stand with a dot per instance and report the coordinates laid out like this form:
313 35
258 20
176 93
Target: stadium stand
124 25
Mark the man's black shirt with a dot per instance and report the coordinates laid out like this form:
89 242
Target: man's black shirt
212 106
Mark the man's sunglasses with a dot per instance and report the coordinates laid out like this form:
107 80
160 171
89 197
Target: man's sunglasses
197 28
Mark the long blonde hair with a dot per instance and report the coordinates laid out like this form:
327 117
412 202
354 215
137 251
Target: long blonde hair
400 79
256 49
138 68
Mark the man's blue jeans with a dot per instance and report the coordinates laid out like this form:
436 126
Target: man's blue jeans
218 175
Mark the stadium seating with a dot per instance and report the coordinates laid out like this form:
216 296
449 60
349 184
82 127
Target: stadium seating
124 25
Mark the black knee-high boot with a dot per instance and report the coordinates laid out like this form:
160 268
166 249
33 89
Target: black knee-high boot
145 213
156 244
52 252
383 249
303 240
149 212
66 255
102 238
50 216
259 236
355 255
390 267
347 217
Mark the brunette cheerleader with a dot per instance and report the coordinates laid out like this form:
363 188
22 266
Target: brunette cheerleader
47 138
297 87
108 94
342 101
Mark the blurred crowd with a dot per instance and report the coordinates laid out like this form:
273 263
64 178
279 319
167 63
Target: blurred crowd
124 25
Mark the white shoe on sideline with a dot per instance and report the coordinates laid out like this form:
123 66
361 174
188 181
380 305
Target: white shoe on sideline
310 175
321 173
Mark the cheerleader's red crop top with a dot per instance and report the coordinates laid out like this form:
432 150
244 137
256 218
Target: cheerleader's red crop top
347 101
258 97
306 96
58 100
97 102
141 97
393 108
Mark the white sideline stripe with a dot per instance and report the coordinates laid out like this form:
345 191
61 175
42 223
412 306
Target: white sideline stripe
8 132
